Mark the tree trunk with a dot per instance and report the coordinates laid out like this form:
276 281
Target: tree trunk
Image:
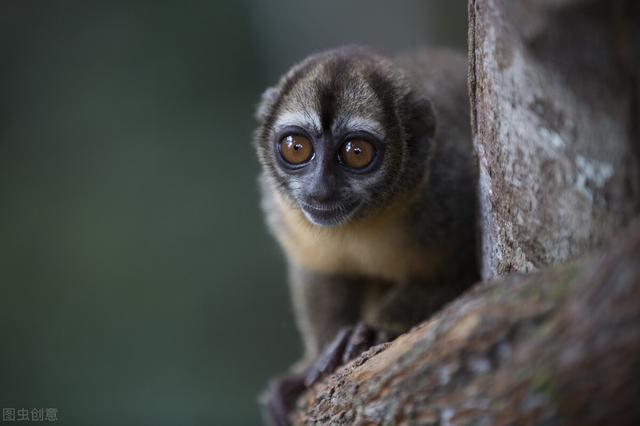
555 101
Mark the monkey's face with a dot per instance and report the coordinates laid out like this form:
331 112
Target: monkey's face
333 139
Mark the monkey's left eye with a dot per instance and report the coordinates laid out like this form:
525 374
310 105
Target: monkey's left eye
357 153
295 149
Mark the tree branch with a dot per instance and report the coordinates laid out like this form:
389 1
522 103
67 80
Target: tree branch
559 347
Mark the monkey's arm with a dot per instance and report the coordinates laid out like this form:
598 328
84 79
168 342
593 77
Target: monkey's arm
324 304
325 308
409 303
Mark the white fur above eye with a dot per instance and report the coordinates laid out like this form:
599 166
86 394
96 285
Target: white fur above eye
361 124
308 120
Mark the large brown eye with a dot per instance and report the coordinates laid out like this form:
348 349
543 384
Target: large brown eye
357 153
296 149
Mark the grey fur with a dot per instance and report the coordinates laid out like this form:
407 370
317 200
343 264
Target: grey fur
417 106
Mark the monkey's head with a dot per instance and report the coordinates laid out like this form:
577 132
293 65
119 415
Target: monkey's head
342 134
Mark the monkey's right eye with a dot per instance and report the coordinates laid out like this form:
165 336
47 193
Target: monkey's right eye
295 149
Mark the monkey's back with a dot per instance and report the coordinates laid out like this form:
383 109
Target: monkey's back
444 211
442 76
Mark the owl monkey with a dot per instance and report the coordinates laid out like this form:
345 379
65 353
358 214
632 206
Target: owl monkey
369 185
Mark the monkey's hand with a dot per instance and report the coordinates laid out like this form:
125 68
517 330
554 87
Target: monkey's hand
280 398
347 345
281 394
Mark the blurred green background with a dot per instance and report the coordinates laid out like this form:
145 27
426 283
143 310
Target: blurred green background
138 283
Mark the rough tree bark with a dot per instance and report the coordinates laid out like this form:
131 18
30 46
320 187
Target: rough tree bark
555 95
557 347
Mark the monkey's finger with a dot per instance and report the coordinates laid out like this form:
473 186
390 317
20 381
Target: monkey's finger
361 339
330 358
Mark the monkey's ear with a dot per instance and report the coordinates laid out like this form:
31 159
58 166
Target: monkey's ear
266 102
420 118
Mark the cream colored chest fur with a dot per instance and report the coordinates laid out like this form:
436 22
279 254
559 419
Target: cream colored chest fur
378 246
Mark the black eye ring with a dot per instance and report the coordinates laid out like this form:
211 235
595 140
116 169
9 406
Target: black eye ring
378 151
291 132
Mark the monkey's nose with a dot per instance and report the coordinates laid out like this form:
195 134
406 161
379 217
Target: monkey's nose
322 195
322 189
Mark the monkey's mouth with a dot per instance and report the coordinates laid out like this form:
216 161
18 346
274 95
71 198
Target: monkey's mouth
329 214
